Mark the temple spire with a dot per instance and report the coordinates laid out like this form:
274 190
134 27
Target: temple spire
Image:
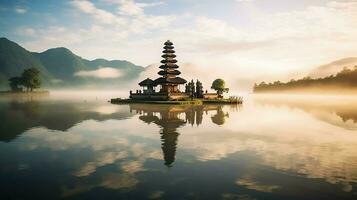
169 70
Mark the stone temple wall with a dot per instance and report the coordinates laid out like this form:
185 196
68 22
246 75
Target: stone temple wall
159 96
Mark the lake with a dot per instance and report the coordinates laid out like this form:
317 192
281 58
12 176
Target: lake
272 147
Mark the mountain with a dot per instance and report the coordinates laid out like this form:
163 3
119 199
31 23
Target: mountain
343 82
61 62
14 59
129 69
60 67
333 67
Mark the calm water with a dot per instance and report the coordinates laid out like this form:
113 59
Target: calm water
270 148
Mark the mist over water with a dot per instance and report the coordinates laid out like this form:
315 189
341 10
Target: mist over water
89 94
75 144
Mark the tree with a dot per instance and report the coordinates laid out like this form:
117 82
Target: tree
15 82
307 78
346 78
199 89
220 86
31 78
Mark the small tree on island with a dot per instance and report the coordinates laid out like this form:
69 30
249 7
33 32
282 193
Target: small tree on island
220 86
15 82
30 79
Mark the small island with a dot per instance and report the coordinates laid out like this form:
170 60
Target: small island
169 86
26 85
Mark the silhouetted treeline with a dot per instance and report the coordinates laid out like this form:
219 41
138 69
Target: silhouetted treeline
346 79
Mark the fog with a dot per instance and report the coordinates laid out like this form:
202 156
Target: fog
87 95
322 90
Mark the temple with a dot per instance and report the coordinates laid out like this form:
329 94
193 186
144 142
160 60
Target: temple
169 83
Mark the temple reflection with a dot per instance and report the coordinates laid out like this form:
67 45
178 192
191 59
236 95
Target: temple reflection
171 117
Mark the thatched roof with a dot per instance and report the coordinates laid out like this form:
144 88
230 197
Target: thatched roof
169 61
147 82
168 42
176 80
168 51
168 47
169 55
169 65
173 72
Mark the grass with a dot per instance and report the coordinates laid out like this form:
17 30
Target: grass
237 100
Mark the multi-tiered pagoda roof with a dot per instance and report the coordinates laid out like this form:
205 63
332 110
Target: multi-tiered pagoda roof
169 67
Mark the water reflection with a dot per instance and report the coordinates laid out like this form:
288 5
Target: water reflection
336 110
266 149
19 116
171 117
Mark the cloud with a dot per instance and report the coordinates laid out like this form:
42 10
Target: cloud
283 42
26 31
132 167
105 72
105 158
130 7
119 181
130 17
156 194
99 14
244 1
20 10
266 46
248 183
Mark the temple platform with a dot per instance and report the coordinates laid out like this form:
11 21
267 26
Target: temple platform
196 101
158 96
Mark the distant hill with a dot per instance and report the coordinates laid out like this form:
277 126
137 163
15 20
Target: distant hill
14 59
59 67
333 67
344 81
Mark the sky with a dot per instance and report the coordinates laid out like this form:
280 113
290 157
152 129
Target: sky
244 39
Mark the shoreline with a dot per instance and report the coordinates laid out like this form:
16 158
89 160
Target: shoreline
186 102
33 93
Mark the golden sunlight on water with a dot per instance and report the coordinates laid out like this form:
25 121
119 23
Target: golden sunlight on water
302 139
311 135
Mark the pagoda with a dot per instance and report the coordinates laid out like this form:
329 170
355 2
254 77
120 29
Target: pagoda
169 81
